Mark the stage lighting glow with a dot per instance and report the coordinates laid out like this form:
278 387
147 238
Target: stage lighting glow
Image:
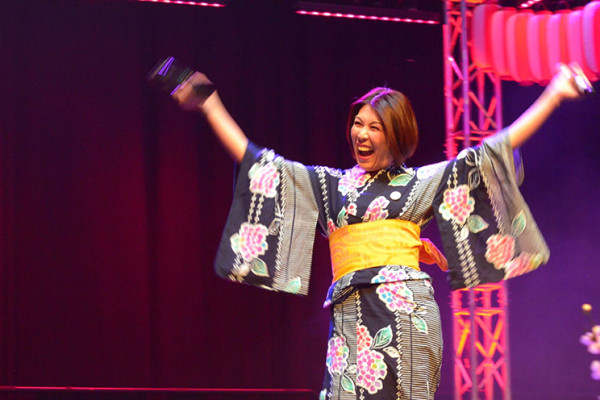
369 12
366 17
186 3
527 4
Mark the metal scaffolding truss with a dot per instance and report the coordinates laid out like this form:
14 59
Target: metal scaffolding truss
481 343
473 112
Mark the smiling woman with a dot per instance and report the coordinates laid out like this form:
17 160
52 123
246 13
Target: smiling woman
394 120
385 336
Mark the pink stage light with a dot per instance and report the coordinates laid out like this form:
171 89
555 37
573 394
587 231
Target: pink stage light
186 3
368 17
368 13
530 3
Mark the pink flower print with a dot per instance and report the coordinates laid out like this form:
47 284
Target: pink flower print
364 339
500 249
250 241
457 205
331 226
265 180
351 210
371 370
377 209
352 179
388 275
397 297
337 355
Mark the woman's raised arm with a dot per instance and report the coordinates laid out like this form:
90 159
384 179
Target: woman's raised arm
223 125
561 87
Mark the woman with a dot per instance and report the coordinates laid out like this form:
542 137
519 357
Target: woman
385 336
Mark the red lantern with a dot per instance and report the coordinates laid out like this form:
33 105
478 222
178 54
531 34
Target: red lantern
482 35
517 52
591 35
558 49
499 62
537 42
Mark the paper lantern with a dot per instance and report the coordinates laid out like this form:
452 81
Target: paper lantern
499 62
537 43
575 40
591 35
517 52
558 49
482 35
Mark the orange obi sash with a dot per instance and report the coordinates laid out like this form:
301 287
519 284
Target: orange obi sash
385 242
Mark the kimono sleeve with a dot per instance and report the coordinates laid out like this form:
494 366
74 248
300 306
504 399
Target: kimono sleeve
269 234
487 229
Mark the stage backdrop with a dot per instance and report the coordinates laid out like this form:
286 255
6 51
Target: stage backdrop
113 199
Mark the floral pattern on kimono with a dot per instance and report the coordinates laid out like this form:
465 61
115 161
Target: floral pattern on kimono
487 230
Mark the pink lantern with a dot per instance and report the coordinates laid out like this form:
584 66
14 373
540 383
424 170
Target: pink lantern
591 35
558 48
537 43
499 61
517 52
575 40
482 35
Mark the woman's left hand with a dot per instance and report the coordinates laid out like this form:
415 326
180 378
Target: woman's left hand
563 85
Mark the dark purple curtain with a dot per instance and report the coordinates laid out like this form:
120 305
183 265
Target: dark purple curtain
113 199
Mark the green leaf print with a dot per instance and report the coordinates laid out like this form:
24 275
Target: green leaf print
383 338
401 180
259 267
476 224
518 224
294 285
341 218
419 323
348 384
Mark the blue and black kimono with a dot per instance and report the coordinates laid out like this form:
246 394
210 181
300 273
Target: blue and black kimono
385 337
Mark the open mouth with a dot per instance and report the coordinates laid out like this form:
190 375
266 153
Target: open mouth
364 151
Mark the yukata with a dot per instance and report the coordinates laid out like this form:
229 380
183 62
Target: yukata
385 335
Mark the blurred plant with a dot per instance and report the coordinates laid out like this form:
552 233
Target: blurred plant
591 340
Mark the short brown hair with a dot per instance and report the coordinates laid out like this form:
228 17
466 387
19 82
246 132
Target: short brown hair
398 119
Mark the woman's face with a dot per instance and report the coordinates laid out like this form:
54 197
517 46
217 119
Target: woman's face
369 142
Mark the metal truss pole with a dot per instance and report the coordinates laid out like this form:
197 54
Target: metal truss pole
473 112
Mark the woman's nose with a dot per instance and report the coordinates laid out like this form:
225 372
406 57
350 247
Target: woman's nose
362 135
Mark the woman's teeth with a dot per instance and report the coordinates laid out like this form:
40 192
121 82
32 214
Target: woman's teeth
364 151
